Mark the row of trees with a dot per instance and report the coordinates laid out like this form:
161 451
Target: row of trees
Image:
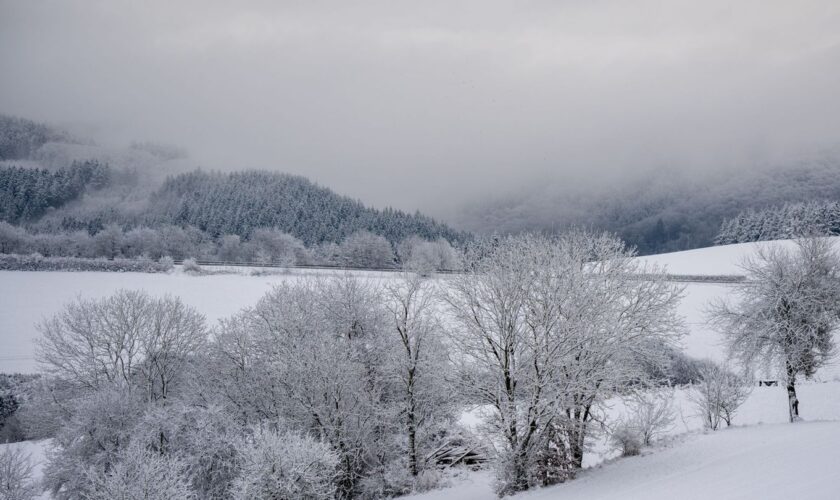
270 246
788 221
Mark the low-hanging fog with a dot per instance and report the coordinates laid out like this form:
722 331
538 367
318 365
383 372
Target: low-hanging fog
435 105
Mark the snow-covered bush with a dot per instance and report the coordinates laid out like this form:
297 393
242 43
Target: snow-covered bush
719 394
417 254
190 266
627 438
139 474
652 413
167 262
16 482
285 465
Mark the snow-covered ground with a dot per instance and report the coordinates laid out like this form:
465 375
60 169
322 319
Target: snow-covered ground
714 261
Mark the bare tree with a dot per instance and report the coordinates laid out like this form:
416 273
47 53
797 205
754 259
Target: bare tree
96 342
176 332
109 341
786 313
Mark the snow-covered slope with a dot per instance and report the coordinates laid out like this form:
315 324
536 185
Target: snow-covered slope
714 261
768 462
762 457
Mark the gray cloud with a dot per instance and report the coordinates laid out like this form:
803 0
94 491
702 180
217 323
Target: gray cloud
430 104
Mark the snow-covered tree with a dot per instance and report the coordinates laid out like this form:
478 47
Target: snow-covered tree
548 328
92 436
367 250
419 255
314 353
786 313
16 481
420 361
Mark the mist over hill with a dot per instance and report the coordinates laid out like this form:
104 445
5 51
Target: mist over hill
658 210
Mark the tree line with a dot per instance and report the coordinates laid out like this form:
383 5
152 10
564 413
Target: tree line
361 249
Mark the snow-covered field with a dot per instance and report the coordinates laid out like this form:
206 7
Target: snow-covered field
27 297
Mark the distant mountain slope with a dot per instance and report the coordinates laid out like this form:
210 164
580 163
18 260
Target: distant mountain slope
659 211
239 202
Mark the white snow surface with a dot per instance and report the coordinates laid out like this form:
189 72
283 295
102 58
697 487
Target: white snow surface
715 261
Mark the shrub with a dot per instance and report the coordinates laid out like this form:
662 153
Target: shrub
190 266
140 474
37 262
285 465
652 413
627 439
719 395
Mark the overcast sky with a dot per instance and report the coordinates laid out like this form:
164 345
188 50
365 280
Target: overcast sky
428 104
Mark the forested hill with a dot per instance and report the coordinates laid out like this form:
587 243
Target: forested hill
54 183
239 202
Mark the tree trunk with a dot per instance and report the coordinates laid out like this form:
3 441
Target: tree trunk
412 427
793 402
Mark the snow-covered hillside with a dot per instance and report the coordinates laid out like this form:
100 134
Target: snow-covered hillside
768 462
